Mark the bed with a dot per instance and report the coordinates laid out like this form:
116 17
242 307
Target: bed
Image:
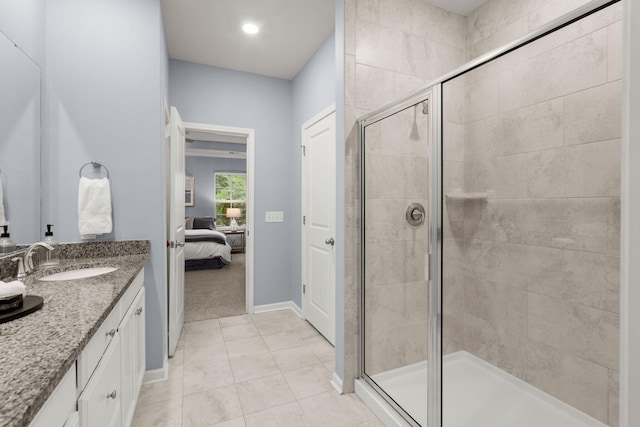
205 249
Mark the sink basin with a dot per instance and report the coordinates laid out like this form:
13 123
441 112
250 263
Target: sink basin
81 273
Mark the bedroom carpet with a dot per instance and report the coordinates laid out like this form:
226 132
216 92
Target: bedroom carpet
210 294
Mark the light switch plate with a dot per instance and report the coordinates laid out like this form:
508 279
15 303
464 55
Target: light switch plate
274 216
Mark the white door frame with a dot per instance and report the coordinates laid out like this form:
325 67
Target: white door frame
249 136
303 270
175 230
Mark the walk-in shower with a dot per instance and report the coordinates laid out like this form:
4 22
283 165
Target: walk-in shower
490 233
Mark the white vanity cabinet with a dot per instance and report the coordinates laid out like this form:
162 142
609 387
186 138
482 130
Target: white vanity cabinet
110 396
131 331
104 383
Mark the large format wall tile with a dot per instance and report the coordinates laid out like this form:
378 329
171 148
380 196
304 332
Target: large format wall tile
555 73
392 177
396 305
593 115
602 162
614 34
585 332
578 382
386 221
379 46
496 304
395 262
392 348
570 223
556 173
533 128
586 278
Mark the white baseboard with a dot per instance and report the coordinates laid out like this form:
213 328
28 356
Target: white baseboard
336 382
157 375
278 306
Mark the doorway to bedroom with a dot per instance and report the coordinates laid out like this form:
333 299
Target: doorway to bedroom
217 216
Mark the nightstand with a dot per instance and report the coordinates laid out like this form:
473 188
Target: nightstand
236 240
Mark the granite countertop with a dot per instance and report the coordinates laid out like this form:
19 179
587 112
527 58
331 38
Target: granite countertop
37 350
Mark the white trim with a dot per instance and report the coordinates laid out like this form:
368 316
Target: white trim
378 406
321 115
157 375
285 305
218 154
249 135
336 382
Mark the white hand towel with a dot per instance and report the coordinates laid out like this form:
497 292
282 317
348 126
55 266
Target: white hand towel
94 207
3 220
9 289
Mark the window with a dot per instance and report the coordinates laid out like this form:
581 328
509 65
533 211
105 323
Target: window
230 191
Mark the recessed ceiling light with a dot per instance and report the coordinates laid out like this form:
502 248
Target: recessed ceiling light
250 28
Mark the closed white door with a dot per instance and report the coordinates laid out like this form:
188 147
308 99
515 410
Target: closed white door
176 229
319 222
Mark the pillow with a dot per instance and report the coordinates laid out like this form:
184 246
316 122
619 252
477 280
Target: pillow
188 223
204 223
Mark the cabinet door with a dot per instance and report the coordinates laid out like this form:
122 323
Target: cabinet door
127 331
99 404
60 404
140 340
131 332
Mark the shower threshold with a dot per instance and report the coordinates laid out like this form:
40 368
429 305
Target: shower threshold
478 394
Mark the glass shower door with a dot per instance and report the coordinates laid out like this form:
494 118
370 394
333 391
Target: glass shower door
395 303
531 182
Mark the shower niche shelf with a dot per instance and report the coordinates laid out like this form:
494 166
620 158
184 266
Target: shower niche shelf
467 196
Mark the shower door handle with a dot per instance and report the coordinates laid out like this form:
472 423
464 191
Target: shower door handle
330 241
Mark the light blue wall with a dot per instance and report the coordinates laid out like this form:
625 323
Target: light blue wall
205 94
202 169
23 22
313 90
106 70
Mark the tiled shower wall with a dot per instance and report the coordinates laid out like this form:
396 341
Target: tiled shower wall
391 48
532 275
379 68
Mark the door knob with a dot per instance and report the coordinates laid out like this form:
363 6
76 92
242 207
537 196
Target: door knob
330 241
181 244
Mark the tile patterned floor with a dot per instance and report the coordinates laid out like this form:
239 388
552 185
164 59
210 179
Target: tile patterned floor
267 369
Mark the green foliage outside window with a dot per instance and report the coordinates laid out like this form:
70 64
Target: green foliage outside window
230 191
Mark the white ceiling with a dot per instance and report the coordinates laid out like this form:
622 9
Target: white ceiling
209 32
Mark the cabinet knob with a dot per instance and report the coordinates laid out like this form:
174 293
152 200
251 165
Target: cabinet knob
139 311
111 333
112 395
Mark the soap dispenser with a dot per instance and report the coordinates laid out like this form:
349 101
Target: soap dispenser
6 244
51 256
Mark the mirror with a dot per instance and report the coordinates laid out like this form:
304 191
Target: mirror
20 86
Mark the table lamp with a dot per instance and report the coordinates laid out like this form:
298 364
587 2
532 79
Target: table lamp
233 213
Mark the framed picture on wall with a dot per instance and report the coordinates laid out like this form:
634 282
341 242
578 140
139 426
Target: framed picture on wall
189 186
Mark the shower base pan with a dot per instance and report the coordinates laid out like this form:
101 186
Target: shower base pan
477 394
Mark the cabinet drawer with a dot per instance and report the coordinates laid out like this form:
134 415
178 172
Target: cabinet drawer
130 294
100 402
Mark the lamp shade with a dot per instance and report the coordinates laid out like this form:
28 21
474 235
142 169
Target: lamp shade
233 212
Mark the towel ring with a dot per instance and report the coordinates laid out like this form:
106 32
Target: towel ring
95 164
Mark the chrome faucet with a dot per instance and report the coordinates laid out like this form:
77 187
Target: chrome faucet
29 266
